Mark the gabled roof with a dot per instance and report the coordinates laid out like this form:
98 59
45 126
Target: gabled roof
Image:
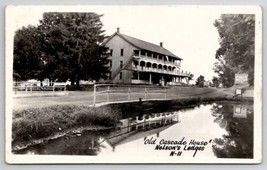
140 44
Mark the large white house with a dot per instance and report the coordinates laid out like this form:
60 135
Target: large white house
134 61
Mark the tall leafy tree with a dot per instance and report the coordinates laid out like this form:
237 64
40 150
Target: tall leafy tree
200 81
236 52
68 45
72 41
28 62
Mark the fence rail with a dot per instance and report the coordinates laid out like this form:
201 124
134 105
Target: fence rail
126 93
34 89
98 94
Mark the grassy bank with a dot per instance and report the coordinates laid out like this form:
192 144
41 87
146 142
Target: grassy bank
35 123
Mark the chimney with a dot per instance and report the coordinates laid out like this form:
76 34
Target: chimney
118 30
161 44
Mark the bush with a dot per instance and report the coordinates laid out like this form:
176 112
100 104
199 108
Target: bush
82 87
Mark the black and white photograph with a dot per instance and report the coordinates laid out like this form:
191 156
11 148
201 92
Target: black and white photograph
126 84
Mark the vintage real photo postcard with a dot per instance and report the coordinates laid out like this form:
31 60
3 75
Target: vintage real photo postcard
133 84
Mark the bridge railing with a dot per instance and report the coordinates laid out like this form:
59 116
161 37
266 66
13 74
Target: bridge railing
107 93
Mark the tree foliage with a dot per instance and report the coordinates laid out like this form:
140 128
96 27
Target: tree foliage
70 47
215 82
27 61
236 52
191 76
200 81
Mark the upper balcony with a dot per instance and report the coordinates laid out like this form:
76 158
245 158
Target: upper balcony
157 60
162 71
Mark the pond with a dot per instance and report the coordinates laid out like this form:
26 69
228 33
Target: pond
217 130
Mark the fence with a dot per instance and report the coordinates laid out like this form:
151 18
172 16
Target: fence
32 88
106 93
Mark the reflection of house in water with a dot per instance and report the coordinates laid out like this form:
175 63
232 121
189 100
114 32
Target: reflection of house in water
241 111
134 128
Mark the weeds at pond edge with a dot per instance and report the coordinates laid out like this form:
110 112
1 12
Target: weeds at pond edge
36 123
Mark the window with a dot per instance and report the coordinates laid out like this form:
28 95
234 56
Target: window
109 75
136 52
121 64
121 52
110 63
111 52
120 75
143 53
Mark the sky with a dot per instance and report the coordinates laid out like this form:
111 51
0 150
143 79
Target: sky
186 31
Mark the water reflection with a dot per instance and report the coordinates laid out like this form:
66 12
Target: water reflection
229 125
137 127
237 120
87 143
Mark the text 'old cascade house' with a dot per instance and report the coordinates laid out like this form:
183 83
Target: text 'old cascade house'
134 61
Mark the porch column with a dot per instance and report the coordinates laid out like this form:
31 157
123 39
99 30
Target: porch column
150 78
138 76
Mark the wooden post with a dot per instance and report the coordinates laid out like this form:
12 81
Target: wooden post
150 78
129 93
145 93
93 143
53 87
108 95
94 100
26 89
144 118
65 89
165 93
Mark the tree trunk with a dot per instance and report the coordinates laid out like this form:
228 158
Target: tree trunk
77 83
72 81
